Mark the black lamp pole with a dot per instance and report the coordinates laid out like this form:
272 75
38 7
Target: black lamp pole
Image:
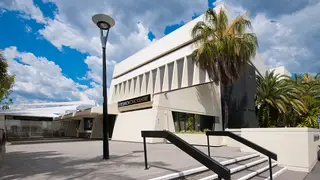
105 97
104 22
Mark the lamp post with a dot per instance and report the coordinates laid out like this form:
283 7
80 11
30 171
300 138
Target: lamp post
104 22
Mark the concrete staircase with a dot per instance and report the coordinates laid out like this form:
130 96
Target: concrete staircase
255 167
252 166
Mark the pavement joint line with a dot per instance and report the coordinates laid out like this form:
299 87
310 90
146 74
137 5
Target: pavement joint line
238 168
204 168
277 174
248 176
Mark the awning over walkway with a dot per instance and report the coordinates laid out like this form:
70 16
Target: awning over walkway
91 112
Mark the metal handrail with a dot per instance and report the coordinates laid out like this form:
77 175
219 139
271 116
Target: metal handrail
198 155
246 142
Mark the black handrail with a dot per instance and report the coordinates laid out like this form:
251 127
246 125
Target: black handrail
246 142
198 155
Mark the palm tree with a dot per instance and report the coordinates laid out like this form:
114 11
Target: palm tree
308 87
223 49
275 98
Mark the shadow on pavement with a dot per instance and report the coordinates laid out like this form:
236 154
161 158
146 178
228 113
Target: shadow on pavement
51 164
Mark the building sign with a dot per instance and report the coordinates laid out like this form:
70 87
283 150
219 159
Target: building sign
134 101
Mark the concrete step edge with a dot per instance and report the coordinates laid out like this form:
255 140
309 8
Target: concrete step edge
238 168
277 174
203 168
250 175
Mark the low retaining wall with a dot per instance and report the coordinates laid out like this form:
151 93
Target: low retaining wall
201 139
297 148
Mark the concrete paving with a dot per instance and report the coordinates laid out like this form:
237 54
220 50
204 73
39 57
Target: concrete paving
83 160
315 173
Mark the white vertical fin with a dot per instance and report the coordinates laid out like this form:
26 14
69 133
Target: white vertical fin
165 86
185 76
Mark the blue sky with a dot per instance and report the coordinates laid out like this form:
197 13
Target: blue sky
54 49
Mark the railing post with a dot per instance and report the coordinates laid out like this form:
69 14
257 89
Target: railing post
208 142
270 168
145 153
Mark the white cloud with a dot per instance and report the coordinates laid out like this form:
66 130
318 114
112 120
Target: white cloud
40 79
27 8
61 33
28 29
288 34
74 20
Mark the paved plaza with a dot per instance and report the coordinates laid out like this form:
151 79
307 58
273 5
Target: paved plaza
83 160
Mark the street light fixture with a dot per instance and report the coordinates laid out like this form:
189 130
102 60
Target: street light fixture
104 22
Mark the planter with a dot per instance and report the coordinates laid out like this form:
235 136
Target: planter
201 139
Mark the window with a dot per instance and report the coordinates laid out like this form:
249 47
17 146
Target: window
186 122
88 123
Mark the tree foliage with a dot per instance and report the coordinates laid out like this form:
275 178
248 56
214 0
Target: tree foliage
288 101
6 83
223 48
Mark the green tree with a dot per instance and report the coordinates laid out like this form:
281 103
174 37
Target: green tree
6 83
276 99
223 49
308 90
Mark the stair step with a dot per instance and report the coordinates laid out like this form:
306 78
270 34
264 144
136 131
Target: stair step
255 172
276 171
239 166
200 170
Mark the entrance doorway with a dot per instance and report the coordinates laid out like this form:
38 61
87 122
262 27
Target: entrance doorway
111 122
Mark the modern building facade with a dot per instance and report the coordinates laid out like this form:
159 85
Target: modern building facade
160 85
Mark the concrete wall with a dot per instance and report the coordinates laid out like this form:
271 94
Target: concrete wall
97 128
128 125
295 147
201 139
229 141
81 127
203 99
281 70
70 128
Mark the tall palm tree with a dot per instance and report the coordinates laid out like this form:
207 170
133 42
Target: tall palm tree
223 49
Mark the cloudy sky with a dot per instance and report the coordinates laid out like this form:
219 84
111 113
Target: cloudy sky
53 48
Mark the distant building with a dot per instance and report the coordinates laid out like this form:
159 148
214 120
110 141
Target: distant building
36 120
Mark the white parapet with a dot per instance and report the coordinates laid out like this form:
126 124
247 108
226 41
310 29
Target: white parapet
296 148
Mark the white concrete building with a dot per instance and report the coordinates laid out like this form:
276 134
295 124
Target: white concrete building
281 70
161 79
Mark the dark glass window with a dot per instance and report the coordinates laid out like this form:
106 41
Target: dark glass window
184 122
88 123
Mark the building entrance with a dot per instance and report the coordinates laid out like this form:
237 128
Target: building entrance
111 122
